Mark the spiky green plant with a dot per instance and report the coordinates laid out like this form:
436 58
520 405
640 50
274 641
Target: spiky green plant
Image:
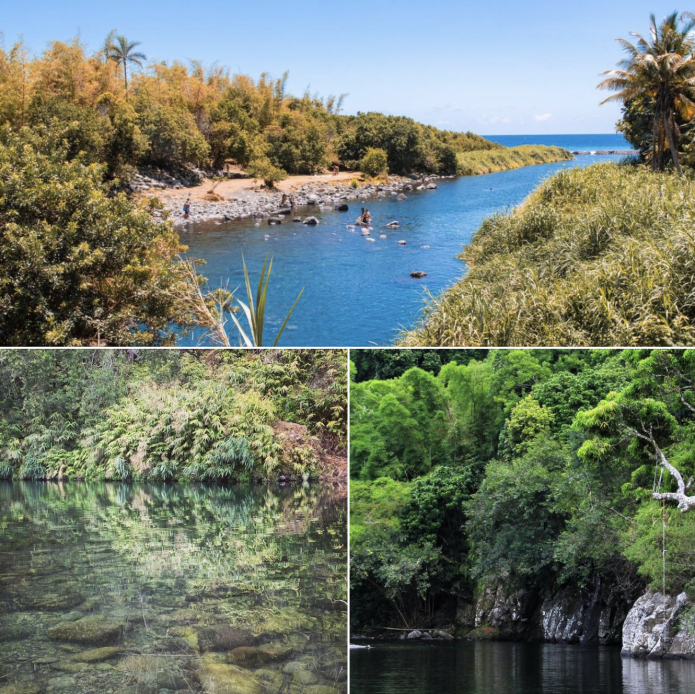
254 311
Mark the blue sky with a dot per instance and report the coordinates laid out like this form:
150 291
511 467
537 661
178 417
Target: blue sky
496 67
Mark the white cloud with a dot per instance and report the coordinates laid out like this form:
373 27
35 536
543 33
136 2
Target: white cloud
492 120
543 117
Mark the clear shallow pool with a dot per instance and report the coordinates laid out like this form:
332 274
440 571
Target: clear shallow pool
358 293
143 589
512 668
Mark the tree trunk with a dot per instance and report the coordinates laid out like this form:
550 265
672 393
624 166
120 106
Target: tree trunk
125 77
668 123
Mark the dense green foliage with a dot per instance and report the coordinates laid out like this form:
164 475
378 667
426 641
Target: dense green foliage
383 364
165 415
126 112
374 162
77 264
597 257
522 469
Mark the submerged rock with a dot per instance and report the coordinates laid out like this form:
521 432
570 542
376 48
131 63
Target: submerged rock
418 273
224 638
153 671
88 630
13 634
96 655
21 688
227 679
320 689
54 602
248 657
277 650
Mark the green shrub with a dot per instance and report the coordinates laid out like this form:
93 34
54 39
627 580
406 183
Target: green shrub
374 162
80 264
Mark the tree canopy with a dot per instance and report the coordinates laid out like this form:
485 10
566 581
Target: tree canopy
521 469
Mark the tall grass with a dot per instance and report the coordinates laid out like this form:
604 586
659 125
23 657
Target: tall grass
599 256
479 162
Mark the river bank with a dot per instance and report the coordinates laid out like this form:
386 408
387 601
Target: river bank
243 198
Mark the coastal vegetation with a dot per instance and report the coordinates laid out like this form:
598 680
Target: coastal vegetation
598 256
229 415
519 473
656 84
478 162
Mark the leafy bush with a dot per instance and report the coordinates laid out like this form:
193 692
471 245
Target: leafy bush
374 162
263 170
79 264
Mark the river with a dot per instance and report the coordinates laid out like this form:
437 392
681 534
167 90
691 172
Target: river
512 668
151 589
359 293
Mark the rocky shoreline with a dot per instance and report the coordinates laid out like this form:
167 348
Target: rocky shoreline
266 205
653 627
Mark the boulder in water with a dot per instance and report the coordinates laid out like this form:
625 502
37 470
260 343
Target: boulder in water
311 221
418 273
94 629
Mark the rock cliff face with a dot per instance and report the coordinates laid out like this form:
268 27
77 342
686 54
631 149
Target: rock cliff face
565 616
655 626
660 626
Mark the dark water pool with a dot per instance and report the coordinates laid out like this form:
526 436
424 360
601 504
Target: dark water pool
358 293
147 589
512 668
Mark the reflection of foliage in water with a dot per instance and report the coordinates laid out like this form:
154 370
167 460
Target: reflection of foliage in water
271 561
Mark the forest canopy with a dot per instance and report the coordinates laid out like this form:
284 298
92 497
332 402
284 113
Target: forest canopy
519 470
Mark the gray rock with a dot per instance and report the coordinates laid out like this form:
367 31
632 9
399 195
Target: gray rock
224 638
415 634
274 220
650 628
312 221
401 197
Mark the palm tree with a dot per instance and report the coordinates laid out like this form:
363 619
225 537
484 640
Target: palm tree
662 70
122 52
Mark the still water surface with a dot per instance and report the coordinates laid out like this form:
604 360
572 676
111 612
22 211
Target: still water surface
512 668
358 293
148 589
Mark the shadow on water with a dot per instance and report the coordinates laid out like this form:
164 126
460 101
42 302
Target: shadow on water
358 293
512 668
161 588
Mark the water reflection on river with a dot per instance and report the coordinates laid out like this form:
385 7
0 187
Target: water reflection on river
512 668
154 589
